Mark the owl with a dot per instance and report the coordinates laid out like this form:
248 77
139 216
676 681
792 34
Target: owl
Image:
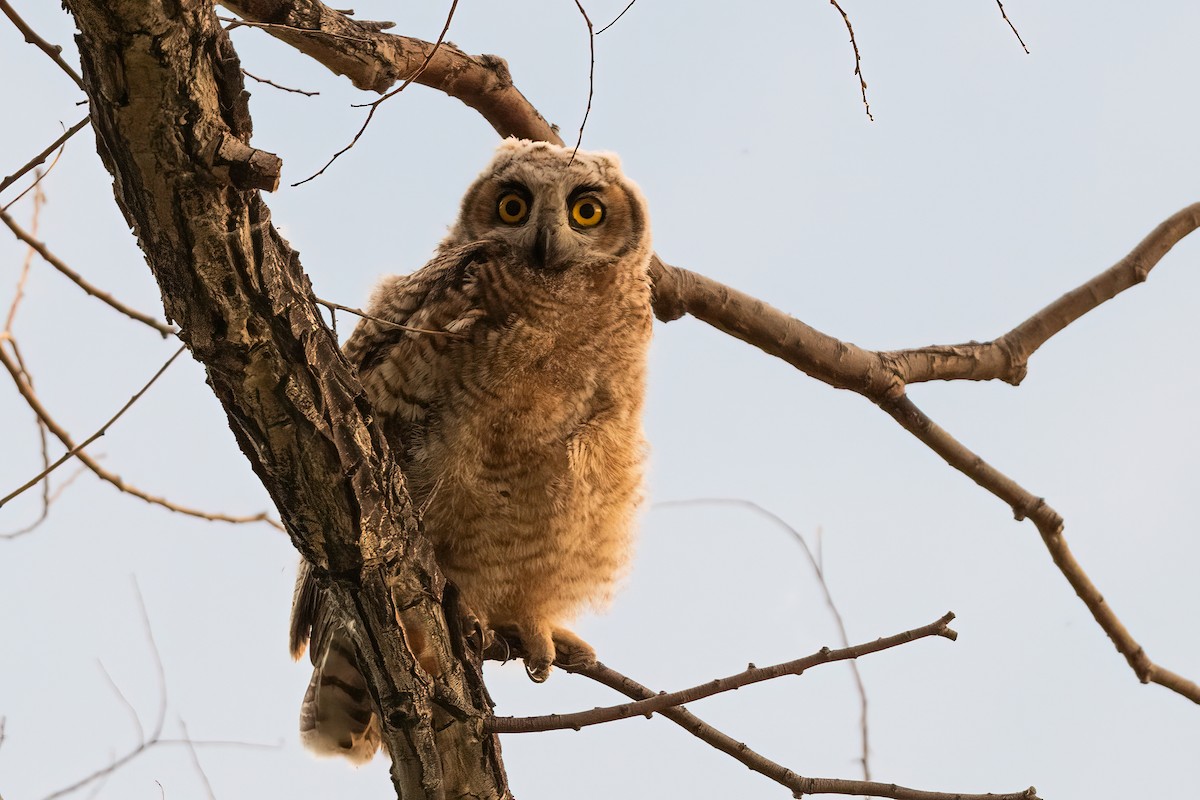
510 384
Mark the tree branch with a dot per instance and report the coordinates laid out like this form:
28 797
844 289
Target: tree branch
103 430
42 156
52 50
31 398
80 281
374 61
818 567
750 675
246 311
739 751
879 376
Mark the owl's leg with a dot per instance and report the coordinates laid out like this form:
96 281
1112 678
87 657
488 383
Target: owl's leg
571 652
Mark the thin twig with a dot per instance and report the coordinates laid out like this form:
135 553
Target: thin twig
39 176
358 312
818 569
8 336
268 82
591 77
52 50
74 451
159 670
35 404
374 61
374 105
1014 27
324 34
155 739
617 17
42 156
26 266
770 769
133 714
208 790
862 81
78 280
752 674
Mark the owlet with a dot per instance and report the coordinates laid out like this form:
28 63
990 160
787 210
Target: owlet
513 396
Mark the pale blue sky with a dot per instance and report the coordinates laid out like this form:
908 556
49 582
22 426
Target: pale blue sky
989 183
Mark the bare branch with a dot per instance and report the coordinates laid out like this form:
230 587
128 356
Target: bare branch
819 571
1014 27
208 790
159 670
862 81
42 156
751 675
254 77
617 17
78 280
1050 526
128 706
155 739
879 376
34 403
39 176
375 105
591 76
52 50
103 429
7 335
360 313
799 784
374 61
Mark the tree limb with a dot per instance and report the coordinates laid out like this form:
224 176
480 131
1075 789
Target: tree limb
752 674
80 281
246 311
372 60
799 784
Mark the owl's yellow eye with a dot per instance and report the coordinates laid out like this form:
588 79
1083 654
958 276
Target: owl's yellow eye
587 212
512 208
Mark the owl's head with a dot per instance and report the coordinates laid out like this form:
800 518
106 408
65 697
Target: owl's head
556 212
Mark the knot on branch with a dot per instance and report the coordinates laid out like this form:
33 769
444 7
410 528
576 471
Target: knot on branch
1016 358
242 166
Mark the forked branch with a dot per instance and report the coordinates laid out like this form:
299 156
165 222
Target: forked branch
372 60
751 674
644 698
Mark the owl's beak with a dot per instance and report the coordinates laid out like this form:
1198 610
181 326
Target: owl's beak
544 255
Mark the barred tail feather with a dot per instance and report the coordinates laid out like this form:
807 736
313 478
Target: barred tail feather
337 716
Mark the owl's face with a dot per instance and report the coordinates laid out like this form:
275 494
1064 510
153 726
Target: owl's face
557 213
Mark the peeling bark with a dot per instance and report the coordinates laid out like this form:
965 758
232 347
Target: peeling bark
173 127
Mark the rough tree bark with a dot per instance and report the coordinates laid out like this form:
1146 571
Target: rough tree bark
173 127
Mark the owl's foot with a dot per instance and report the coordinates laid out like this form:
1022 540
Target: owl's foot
571 652
538 643
477 630
544 647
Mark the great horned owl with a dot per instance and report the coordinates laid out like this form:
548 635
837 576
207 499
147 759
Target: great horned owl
514 398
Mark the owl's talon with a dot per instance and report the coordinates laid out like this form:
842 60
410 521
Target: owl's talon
538 671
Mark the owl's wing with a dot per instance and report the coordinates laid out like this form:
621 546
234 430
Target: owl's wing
416 318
